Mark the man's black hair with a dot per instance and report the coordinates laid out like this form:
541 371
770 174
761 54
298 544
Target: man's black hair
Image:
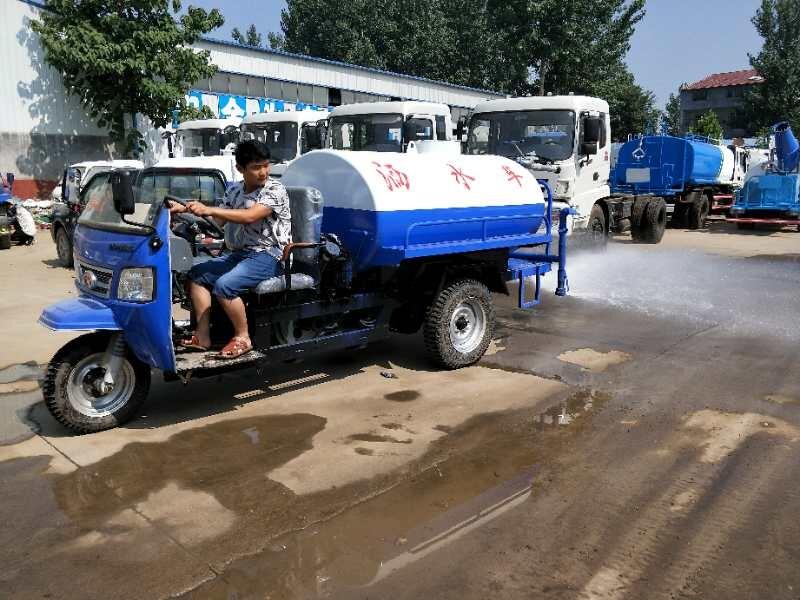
250 151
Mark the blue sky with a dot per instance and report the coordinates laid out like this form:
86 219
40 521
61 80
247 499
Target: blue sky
678 40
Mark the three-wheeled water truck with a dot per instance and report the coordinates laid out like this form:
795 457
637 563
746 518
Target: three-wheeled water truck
380 243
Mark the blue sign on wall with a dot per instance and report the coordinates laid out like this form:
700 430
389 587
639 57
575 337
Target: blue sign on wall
232 106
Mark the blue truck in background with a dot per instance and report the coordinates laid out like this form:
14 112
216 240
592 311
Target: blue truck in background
691 173
771 193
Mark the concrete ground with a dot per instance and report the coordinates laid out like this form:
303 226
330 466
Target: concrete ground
638 439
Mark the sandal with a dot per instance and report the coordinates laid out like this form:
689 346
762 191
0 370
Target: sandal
193 343
237 347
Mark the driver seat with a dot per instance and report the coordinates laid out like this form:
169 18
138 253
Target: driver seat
301 257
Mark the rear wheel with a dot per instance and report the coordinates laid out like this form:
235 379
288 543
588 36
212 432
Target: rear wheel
637 210
459 324
698 212
654 221
679 215
64 248
74 391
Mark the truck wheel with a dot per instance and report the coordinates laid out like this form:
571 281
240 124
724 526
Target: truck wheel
71 390
654 221
459 324
596 229
637 210
679 215
64 248
698 212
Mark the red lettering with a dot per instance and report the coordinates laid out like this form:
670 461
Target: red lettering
512 176
460 176
392 177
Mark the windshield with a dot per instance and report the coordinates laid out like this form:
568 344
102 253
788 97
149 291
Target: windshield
280 138
204 142
378 132
149 191
548 133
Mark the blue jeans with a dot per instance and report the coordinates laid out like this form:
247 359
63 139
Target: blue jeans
230 275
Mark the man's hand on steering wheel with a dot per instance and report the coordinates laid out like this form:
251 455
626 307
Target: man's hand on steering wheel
198 208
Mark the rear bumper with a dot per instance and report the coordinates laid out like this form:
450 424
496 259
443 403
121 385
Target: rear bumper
772 221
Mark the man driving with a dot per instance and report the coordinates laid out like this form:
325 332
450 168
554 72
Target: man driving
257 222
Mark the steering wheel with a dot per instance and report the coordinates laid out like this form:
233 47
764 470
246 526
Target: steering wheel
215 229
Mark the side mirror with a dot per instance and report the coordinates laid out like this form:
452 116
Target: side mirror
588 148
592 127
122 190
165 135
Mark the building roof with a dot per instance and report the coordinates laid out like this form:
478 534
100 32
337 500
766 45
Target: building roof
733 78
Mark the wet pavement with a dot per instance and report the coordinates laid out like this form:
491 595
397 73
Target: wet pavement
639 439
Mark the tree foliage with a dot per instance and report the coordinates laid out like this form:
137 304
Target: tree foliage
672 115
123 57
512 46
778 97
251 38
707 125
189 112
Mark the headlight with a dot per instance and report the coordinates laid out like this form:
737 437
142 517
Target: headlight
136 285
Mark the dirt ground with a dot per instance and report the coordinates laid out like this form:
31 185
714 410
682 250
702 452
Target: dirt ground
638 439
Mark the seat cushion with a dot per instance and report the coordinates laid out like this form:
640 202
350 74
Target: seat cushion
300 281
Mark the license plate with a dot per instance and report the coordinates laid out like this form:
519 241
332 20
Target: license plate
637 175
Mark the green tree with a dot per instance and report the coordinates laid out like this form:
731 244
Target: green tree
778 97
123 57
708 125
188 112
672 115
632 108
251 38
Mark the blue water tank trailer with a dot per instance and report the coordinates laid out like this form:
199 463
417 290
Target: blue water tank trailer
388 208
687 172
771 193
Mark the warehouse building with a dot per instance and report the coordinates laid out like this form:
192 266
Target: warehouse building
42 128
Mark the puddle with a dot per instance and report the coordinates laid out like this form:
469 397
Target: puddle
578 404
227 460
782 400
403 396
473 475
373 437
594 361
29 371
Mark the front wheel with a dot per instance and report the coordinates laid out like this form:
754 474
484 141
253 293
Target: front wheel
459 324
76 395
64 248
596 229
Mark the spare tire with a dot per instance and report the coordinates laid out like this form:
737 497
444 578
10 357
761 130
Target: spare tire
654 221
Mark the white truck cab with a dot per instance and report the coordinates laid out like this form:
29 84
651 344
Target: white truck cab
76 175
402 126
554 137
203 137
226 165
287 134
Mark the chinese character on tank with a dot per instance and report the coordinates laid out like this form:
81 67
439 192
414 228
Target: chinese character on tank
392 177
460 176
